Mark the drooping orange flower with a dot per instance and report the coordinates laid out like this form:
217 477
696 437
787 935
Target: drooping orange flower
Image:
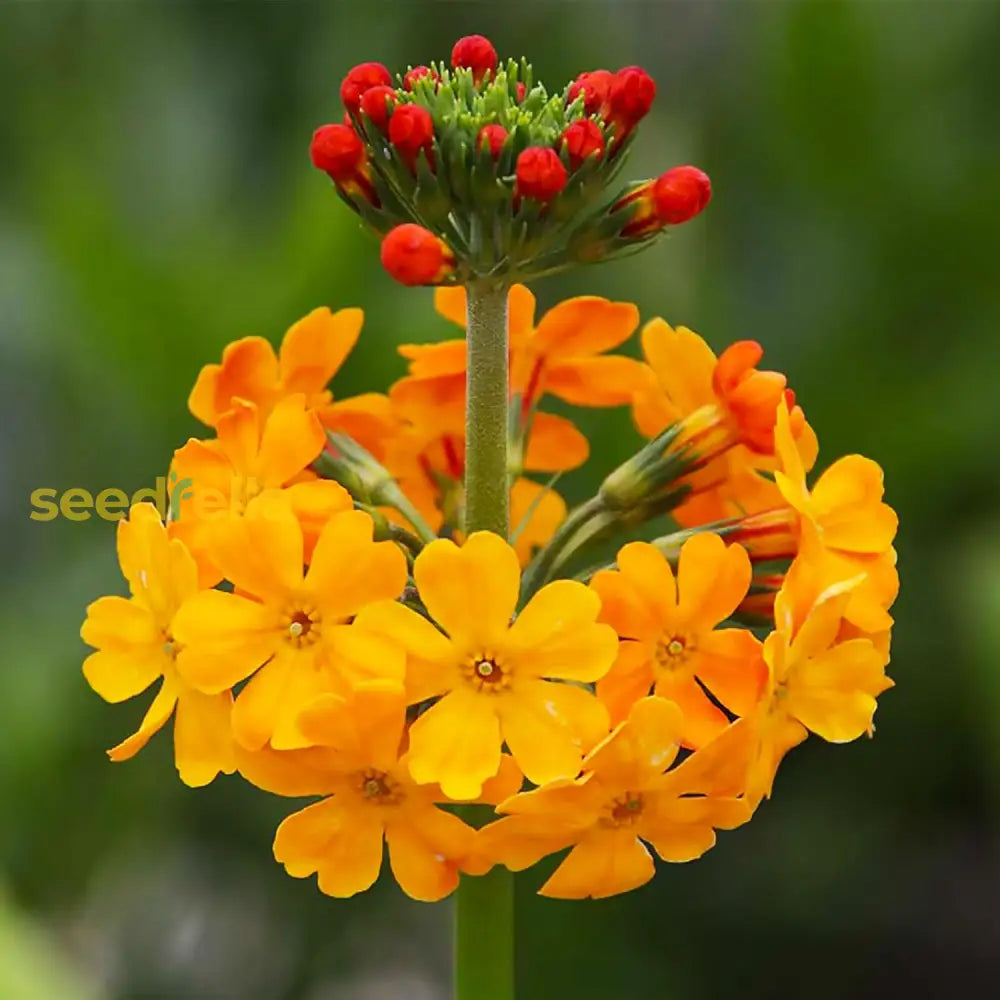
359 764
285 629
251 454
818 681
725 408
311 353
136 646
670 642
497 681
626 798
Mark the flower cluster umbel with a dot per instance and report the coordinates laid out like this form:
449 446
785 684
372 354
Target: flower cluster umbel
364 650
475 170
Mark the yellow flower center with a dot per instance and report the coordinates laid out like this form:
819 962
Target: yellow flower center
379 789
673 651
487 673
624 810
302 627
171 647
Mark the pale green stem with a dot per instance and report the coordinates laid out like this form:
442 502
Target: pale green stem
484 906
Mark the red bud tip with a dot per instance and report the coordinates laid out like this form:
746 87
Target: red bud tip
361 78
595 87
377 102
338 150
681 194
415 256
411 129
476 53
540 174
418 73
582 139
494 136
520 91
630 98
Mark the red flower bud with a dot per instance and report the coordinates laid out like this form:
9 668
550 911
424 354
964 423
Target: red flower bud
582 139
411 129
540 174
630 98
494 136
418 73
377 102
520 91
680 194
476 53
674 197
338 150
359 79
595 87
415 256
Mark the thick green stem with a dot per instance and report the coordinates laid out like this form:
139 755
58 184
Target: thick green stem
484 937
486 487
484 906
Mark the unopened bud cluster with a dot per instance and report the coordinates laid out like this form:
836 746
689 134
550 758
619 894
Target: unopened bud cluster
474 170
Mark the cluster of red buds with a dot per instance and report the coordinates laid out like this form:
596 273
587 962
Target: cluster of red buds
474 171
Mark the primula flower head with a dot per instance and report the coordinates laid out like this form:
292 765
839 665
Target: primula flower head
500 678
513 178
628 796
136 646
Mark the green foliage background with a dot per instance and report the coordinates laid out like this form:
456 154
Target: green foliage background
157 202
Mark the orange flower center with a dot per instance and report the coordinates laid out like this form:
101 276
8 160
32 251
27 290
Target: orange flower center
301 627
673 651
487 673
625 810
379 789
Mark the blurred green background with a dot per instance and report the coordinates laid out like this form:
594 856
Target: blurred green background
157 202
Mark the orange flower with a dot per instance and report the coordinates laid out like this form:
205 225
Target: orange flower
136 646
497 681
311 353
721 403
669 636
626 798
250 455
370 799
284 629
817 680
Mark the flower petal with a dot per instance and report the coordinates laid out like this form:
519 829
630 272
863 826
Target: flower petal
425 849
703 721
343 845
729 663
203 740
456 744
549 726
622 608
349 570
292 437
603 864
153 721
649 574
471 592
130 648
315 347
555 444
225 638
604 381
630 678
584 325
712 580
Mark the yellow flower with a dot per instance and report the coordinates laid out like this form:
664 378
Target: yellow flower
626 798
497 681
136 646
360 767
669 634
818 681
284 629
